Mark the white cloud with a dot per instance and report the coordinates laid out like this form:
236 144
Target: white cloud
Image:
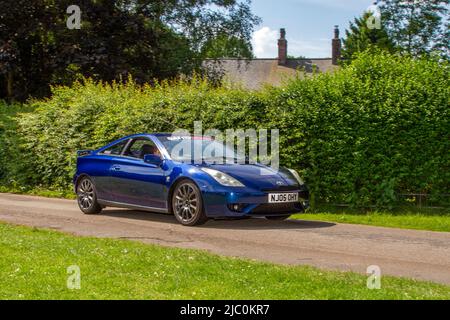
264 42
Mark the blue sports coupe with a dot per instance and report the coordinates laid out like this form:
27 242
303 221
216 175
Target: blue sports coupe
145 172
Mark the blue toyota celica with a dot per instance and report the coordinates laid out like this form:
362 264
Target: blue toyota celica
146 172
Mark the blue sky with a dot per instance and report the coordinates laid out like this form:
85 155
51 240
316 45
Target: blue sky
309 24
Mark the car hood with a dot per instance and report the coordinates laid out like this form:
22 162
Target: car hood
257 176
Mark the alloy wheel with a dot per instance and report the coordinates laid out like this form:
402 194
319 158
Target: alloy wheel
86 194
87 197
187 204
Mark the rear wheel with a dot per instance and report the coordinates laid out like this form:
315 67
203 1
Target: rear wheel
283 217
187 204
87 197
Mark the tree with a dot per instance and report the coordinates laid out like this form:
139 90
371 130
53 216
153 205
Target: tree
115 42
417 27
362 36
148 39
23 52
224 46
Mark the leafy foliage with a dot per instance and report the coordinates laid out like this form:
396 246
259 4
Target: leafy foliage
9 140
147 39
359 38
376 128
359 136
227 47
418 27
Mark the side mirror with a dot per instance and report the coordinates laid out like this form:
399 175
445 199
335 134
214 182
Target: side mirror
153 159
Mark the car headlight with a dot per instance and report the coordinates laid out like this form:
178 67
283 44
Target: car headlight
296 176
223 178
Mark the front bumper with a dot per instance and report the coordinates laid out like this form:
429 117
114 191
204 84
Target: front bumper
240 204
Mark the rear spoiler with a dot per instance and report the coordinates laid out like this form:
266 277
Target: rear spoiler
83 153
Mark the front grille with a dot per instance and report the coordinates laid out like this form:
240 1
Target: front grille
281 189
274 208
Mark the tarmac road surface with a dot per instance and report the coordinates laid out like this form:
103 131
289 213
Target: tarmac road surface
423 255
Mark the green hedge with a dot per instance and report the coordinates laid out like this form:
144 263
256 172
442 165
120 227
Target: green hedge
11 168
378 128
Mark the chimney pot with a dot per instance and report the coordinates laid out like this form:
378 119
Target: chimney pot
336 32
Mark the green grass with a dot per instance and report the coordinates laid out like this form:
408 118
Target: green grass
34 263
419 219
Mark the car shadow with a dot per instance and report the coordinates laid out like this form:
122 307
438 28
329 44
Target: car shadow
253 223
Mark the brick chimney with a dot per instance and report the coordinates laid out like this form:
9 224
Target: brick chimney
336 47
282 47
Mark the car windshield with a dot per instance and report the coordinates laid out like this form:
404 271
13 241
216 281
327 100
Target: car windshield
193 148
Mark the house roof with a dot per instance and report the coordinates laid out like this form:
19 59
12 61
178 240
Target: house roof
255 73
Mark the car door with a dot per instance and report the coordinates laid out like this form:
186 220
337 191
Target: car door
100 169
136 182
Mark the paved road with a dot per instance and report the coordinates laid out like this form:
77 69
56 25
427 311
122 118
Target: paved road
416 254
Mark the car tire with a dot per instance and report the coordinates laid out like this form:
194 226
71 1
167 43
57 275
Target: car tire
187 204
279 218
87 197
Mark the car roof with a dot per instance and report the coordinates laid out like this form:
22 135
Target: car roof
157 134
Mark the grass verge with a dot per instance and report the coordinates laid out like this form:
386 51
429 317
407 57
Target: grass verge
418 219
34 264
37 191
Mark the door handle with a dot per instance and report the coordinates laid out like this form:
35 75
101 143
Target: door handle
115 168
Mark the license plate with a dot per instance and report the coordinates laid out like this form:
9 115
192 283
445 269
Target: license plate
283 197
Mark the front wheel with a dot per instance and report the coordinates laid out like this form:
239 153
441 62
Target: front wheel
87 197
283 217
187 204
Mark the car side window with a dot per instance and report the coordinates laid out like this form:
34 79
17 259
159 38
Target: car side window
140 147
115 149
